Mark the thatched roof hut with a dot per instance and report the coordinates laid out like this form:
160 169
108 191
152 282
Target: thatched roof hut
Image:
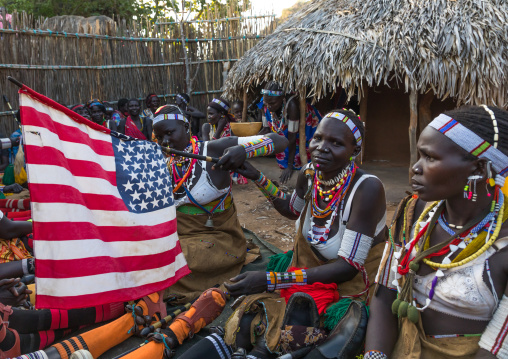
455 48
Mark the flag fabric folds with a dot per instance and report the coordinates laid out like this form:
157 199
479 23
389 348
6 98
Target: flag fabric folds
103 213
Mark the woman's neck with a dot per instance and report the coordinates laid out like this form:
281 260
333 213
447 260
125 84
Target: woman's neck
135 117
460 210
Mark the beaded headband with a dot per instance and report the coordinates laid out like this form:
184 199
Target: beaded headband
471 142
182 98
221 104
349 123
172 116
272 92
95 103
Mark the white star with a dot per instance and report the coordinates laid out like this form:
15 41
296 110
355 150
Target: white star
135 196
136 166
148 194
153 163
143 205
161 170
133 175
159 181
120 147
128 186
159 192
155 202
138 156
151 173
127 157
132 205
165 200
143 174
125 167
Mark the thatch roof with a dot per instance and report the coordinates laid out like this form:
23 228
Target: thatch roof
456 48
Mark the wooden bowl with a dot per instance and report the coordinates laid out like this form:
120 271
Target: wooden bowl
244 129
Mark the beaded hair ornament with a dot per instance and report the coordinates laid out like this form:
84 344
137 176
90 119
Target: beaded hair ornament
473 143
354 129
172 116
182 98
221 104
272 92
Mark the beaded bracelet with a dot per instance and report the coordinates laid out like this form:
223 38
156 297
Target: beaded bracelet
5 143
260 147
280 280
375 354
269 190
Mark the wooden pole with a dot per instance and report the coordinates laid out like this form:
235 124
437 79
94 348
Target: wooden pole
424 112
413 124
245 105
303 139
363 116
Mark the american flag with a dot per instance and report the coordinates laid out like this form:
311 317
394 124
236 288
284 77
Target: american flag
102 206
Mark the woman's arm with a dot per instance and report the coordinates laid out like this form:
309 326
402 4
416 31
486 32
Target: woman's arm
293 118
148 128
205 131
11 229
368 209
121 126
283 206
195 112
233 155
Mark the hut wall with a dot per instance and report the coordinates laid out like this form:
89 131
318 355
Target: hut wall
387 137
123 58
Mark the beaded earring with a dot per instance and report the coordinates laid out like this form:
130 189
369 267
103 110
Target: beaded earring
470 188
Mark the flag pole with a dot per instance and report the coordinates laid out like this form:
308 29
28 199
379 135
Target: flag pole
15 82
171 151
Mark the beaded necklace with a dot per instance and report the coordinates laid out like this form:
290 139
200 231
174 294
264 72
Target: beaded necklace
180 179
319 234
277 125
494 218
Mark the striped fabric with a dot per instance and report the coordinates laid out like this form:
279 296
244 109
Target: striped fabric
103 214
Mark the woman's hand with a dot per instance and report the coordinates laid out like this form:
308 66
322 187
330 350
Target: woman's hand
13 293
233 158
286 175
248 171
13 188
247 283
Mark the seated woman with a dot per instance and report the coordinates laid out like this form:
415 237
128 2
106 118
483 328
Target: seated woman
135 125
282 113
442 289
211 237
152 103
341 214
218 120
82 110
97 114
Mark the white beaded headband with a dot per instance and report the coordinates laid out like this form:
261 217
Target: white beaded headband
349 123
172 116
272 92
182 98
471 142
221 104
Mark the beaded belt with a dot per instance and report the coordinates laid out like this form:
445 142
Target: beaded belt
195 210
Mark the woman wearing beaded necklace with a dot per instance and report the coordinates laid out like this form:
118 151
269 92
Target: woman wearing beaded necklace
445 269
219 119
210 234
341 218
282 116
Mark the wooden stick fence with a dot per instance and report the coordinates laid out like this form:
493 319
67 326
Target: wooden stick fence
123 58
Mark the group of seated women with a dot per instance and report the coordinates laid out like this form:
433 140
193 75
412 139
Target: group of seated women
433 285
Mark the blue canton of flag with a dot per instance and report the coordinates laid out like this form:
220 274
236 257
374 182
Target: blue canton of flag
142 175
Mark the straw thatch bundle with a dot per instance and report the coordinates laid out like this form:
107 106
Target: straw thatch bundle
457 48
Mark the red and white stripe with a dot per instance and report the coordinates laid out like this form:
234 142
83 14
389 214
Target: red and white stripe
89 249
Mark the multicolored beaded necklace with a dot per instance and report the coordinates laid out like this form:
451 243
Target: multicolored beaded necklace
405 305
318 234
177 163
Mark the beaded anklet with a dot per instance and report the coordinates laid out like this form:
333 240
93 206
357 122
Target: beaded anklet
374 354
280 280
269 190
260 147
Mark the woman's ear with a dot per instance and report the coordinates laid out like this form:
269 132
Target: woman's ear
357 151
481 168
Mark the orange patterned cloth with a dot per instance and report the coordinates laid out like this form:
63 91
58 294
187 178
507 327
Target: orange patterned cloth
12 250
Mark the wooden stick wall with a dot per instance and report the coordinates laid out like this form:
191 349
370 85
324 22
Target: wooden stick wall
123 58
